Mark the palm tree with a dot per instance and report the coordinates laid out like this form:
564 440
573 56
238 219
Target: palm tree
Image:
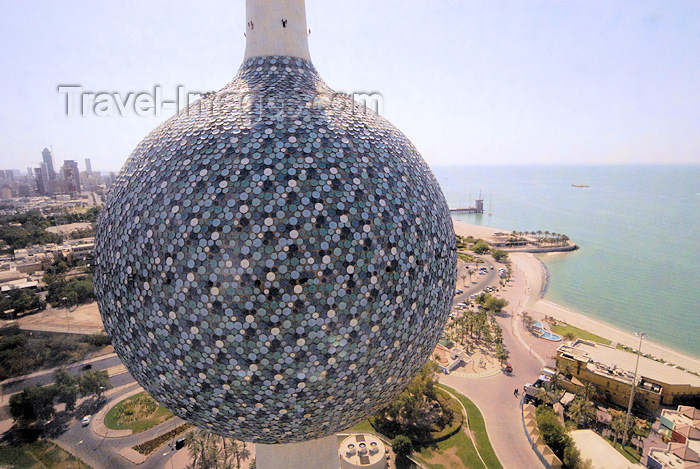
582 412
502 354
554 382
241 455
545 396
588 391
617 426
210 451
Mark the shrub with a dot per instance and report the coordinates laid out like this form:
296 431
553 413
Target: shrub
480 247
402 446
151 445
98 340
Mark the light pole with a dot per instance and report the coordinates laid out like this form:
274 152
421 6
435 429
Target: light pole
64 300
642 336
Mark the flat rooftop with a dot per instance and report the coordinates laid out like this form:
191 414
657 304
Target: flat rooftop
620 360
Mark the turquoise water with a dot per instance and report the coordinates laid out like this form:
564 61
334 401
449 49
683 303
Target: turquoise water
638 228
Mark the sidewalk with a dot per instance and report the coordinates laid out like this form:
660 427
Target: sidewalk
616 335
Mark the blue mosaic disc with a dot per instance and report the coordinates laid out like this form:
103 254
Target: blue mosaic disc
275 263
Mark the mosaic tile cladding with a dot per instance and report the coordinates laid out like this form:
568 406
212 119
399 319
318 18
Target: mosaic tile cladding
275 267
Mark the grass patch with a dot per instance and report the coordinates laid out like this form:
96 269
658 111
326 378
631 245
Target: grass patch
22 352
443 453
628 451
468 258
460 445
137 413
478 428
449 422
39 455
148 447
362 427
563 329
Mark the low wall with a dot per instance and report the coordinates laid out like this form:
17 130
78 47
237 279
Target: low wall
527 434
572 247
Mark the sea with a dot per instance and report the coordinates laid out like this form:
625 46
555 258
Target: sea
638 229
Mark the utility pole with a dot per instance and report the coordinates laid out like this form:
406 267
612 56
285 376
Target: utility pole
642 336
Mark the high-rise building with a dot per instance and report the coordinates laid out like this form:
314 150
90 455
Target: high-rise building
88 166
48 159
41 177
71 175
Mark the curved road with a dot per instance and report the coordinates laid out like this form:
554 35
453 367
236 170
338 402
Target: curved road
494 395
102 452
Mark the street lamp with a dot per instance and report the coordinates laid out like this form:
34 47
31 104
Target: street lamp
64 300
642 336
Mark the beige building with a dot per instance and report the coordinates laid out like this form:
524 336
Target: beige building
612 371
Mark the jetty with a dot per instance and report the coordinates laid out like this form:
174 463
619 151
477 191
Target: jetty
478 208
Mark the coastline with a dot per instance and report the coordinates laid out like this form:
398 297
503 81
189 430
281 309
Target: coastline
537 278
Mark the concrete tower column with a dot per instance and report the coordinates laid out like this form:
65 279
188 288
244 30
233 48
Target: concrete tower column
276 27
313 454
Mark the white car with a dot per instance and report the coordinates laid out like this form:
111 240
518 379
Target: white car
86 420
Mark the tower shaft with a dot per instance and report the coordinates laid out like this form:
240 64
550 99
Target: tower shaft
276 27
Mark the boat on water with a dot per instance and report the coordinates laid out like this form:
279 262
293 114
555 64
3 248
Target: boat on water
579 185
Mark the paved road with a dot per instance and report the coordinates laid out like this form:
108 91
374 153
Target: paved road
102 452
93 450
47 378
478 281
494 395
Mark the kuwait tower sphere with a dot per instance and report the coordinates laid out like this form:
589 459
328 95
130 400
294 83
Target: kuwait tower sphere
275 263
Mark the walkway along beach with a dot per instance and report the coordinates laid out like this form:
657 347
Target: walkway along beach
536 274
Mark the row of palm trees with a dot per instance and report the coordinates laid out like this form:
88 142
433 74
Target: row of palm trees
545 236
477 327
210 451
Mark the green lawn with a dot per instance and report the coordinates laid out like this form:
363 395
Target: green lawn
562 329
478 428
362 427
142 419
39 455
456 449
469 259
628 451
459 445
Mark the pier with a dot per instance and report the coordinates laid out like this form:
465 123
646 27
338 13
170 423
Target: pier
479 208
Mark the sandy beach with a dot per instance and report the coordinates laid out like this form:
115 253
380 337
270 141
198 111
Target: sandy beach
536 274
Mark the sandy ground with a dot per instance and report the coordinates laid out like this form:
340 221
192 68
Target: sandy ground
84 319
535 273
599 451
64 230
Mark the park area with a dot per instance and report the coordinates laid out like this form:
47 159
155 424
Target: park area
461 441
23 352
38 455
137 413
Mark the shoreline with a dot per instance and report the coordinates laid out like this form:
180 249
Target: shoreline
537 276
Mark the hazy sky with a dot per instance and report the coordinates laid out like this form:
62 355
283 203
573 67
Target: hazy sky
470 82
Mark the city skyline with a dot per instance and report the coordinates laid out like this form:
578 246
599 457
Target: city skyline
497 83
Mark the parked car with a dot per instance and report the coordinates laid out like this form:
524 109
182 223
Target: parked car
86 420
